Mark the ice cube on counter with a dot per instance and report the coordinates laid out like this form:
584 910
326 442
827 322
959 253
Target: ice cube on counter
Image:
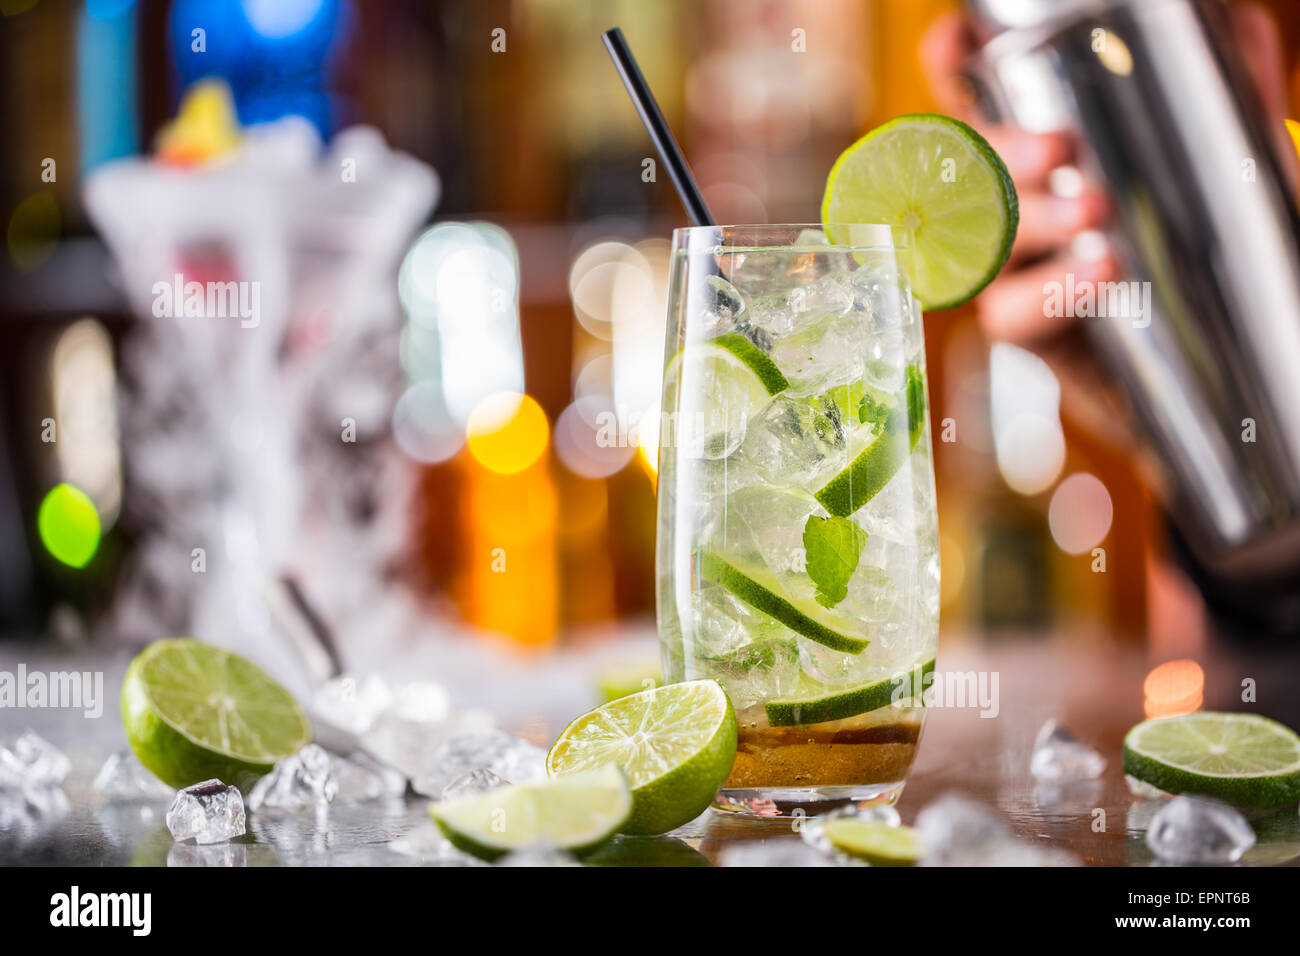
957 831
220 854
123 779
510 758
362 778
352 703
299 782
773 853
207 812
31 762
409 746
1060 757
475 781
1198 830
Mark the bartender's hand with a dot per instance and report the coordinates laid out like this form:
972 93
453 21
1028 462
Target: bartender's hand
1058 212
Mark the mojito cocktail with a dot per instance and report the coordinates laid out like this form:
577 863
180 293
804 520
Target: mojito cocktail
798 549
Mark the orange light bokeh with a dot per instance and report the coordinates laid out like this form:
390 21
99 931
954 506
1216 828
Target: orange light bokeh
507 432
1175 687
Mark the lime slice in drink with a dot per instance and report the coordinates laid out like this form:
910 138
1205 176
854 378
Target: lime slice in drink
759 588
675 744
744 372
1242 759
754 359
718 384
944 184
875 465
576 813
876 842
193 712
817 702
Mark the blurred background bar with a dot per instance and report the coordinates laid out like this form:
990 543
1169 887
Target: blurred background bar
466 393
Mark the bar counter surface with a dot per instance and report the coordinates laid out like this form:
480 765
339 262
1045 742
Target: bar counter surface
1095 688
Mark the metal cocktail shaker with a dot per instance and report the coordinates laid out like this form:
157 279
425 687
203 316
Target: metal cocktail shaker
1205 223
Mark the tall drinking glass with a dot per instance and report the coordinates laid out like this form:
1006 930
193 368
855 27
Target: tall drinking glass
797 557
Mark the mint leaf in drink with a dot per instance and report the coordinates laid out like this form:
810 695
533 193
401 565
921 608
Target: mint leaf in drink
872 410
832 547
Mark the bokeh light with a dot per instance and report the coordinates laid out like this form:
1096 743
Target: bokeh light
277 19
1113 53
11 8
34 229
507 432
584 443
1080 513
83 384
1175 687
605 277
1025 399
459 285
422 427
107 9
68 525
647 438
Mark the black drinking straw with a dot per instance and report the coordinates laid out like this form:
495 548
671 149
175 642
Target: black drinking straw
655 124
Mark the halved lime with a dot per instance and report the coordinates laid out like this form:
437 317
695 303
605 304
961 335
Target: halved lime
1242 759
193 712
945 185
576 813
675 743
759 588
817 702
874 841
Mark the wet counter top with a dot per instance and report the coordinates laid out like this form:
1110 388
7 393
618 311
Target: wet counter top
979 747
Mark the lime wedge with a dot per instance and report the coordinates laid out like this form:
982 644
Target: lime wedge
1242 759
193 712
876 464
717 385
734 361
759 588
876 842
576 813
818 702
753 358
944 184
675 744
